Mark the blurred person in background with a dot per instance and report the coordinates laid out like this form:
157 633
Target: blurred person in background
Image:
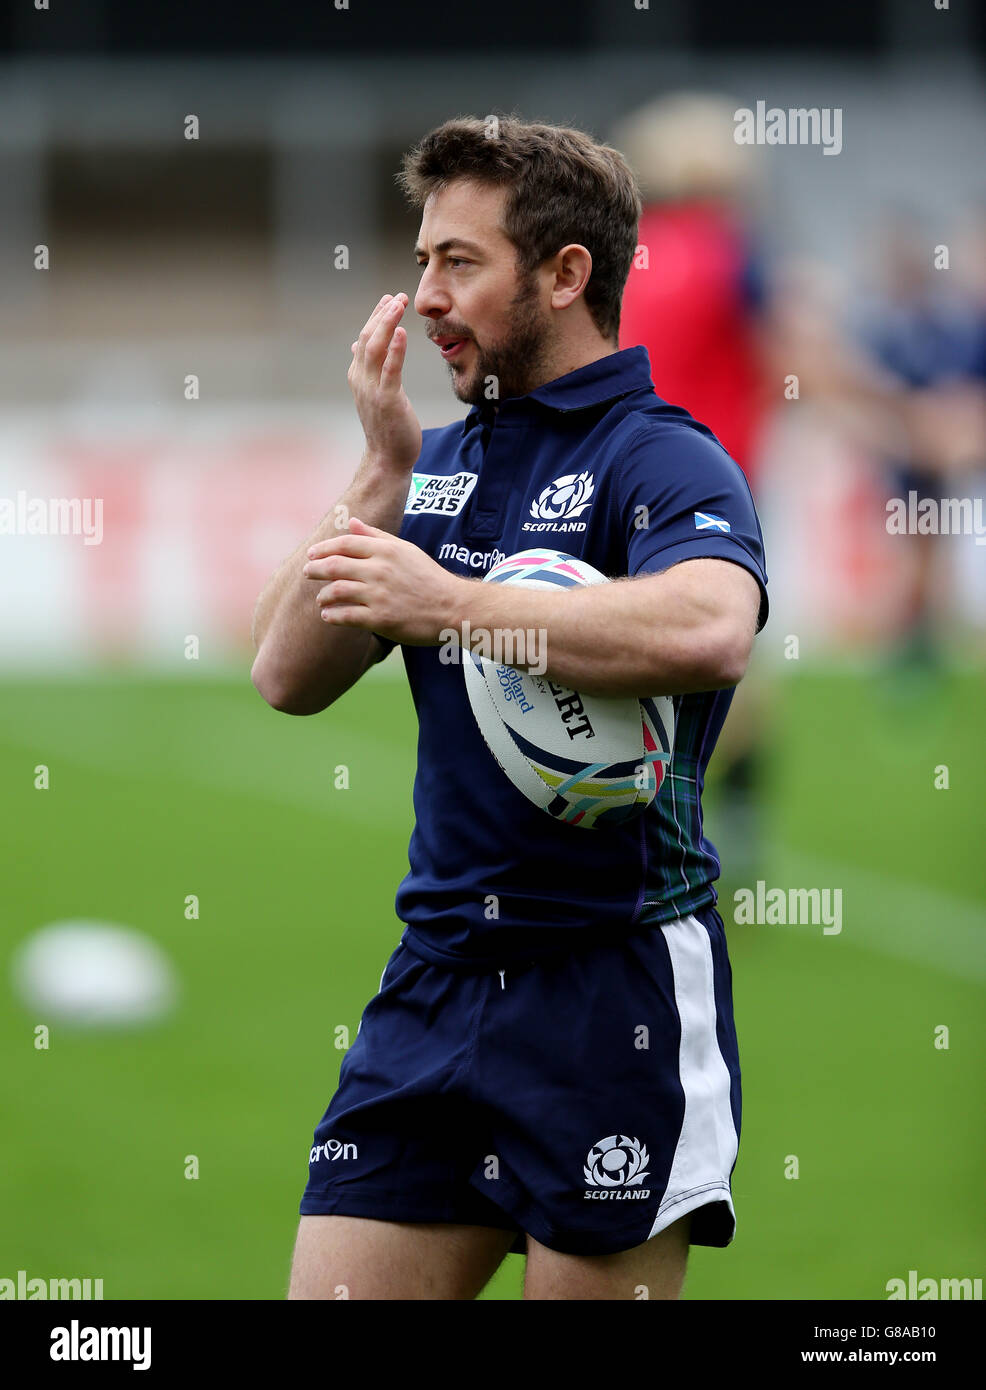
926 329
695 300
970 268
837 418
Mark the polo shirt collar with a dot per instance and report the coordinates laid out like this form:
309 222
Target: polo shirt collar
618 374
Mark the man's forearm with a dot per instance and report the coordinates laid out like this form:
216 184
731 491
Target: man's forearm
663 634
302 664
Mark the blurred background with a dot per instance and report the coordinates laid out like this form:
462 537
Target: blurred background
197 214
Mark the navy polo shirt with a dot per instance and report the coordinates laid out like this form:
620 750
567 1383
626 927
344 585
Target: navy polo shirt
596 465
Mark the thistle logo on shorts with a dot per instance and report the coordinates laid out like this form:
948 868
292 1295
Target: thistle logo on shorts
556 507
617 1162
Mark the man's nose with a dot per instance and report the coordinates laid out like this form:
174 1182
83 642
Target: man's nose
430 301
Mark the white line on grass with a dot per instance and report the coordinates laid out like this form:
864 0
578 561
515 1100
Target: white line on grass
892 916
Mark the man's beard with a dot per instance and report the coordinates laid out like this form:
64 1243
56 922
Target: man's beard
519 362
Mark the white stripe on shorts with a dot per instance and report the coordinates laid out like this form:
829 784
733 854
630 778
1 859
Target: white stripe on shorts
707 1145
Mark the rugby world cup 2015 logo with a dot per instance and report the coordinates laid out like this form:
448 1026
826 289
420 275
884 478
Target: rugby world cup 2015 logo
566 497
617 1162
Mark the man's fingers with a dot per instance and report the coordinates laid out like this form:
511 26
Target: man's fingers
334 567
347 591
378 342
349 543
374 317
369 327
393 363
348 617
382 317
364 529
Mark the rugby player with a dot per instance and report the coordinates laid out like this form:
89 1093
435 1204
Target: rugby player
550 1065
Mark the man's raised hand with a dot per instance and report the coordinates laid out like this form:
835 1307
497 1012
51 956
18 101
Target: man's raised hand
392 430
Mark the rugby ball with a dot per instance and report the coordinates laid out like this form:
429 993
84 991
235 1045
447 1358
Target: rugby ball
94 974
586 760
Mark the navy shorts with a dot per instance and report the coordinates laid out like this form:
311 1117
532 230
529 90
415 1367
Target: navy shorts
588 1100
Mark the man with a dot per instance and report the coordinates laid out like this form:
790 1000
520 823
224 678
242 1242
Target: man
550 1062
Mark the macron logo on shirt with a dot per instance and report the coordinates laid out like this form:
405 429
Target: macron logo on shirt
705 521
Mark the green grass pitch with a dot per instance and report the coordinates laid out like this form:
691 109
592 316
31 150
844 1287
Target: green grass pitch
161 788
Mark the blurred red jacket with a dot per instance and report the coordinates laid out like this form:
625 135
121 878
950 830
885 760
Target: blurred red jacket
694 308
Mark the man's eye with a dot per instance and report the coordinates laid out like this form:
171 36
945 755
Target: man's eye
456 259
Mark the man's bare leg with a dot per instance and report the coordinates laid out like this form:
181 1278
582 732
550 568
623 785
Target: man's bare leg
658 1266
354 1257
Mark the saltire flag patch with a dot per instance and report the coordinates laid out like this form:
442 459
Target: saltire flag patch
707 521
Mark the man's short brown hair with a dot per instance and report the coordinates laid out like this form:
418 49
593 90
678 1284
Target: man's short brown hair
564 187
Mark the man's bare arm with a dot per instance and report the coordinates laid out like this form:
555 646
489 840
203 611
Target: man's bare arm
689 627
302 664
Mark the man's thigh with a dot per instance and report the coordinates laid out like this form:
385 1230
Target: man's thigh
355 1257
655 1269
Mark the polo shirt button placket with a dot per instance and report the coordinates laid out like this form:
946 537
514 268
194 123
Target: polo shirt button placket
493 485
